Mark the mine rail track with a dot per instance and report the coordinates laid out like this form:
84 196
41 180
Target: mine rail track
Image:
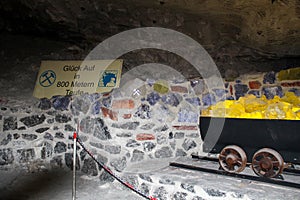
276 181
291 171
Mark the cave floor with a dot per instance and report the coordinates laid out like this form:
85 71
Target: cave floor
21 185
57 184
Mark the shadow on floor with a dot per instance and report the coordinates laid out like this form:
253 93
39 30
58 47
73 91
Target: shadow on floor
25 186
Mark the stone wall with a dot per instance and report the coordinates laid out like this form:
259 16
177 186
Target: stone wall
155 121
117 128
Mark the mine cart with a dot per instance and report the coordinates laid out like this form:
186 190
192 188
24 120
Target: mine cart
269 146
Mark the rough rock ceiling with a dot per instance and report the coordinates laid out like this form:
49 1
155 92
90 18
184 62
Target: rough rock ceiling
240 35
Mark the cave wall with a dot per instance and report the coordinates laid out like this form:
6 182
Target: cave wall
241 36
125 129
122 127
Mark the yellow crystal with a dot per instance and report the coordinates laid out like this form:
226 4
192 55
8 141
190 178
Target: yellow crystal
254 105
291 98
275 111
287 107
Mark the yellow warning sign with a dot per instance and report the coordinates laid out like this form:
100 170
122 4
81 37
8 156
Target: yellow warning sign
77 77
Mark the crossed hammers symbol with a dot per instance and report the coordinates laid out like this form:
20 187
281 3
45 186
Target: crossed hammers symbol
47 77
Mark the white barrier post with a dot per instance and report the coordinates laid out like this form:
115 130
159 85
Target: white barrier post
74 166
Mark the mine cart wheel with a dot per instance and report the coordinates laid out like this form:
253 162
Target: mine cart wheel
267 163
233 159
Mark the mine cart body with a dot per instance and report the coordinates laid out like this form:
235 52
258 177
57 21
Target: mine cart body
254 134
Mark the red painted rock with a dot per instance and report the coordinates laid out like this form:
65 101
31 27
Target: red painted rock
254 84
291 84
109 113
231 89
127 116
186 128
145 136
123 104
180 89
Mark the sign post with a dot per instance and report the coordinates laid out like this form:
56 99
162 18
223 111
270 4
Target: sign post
77 77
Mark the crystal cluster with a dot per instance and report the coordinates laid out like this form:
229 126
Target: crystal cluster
250 106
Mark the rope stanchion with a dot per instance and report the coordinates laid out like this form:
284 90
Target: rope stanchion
74 166
126 184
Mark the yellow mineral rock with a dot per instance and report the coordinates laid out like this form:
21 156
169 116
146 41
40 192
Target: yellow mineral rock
275 111
298 115
254 105
287 107
291 98
235 110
